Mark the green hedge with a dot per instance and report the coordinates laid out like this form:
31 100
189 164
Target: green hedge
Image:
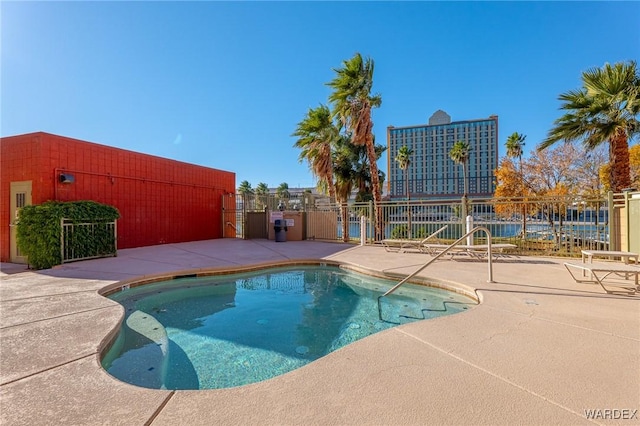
39 229
402 231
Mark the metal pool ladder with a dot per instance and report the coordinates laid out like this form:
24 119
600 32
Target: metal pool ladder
436 257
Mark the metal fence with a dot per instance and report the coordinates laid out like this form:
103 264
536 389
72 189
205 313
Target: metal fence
87 240
550 225
559 226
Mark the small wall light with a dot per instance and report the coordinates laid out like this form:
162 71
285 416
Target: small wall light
67 178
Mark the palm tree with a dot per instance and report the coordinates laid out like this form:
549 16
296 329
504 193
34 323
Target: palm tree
460 154
514 145
262 192
351 171
403 158
606 108
344 161
362 171
245 188
282 192
352 102
316 134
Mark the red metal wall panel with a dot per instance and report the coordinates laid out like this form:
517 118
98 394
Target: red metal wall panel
19 161
160 200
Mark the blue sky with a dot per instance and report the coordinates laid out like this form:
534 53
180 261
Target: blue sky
223 84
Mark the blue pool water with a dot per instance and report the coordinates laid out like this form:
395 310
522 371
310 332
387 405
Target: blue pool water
230 330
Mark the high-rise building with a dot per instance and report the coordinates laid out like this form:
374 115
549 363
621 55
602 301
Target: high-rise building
432 173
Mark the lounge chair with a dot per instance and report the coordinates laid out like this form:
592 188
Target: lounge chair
497 249
402 245
598 271
476 250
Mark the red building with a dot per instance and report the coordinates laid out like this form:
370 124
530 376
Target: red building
160 200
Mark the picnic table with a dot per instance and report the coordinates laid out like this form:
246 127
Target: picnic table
626 256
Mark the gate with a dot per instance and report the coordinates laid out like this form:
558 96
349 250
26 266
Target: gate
255 225
322 224
231 217
87 240
242 219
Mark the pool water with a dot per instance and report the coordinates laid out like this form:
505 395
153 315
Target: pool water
230 330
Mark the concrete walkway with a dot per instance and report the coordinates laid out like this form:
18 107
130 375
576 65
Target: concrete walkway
539 350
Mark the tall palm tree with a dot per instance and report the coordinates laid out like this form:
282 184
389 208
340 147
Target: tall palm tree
460 154
605 109
514 145
316 134
352 102
403 158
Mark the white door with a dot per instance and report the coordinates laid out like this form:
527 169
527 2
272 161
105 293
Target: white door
20 197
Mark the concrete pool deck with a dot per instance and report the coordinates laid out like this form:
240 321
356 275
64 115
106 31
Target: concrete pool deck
539 349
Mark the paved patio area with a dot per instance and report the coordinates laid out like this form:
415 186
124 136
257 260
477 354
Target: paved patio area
540 349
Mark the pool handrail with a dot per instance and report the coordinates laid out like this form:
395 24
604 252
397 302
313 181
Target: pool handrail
436 257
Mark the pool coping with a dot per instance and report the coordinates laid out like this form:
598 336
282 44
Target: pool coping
532 352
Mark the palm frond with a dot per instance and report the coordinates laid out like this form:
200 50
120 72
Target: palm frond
605 109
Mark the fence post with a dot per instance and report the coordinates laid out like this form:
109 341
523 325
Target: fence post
613 238
627 221
62 240
363 230
222 216
243 223
372 218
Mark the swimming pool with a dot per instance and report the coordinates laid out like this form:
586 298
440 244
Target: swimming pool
230 330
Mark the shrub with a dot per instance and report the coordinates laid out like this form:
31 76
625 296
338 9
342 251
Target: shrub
400 232
39 230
